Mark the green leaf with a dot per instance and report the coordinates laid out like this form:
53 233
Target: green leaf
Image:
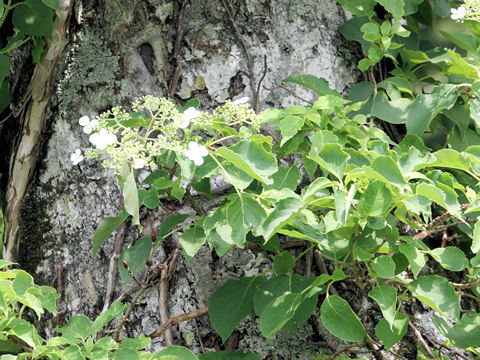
23 281
24 331
332 158
283 263
314 187
385 166
375 200
464 41
130 197
203 187
78 328
105 228
289 127
252 158
464 335
179 351
339 319
343 202
136 257
359 7
386 297
394 7
52 4
278 313
427 106
4 67
33 18
37 50
415 257
284 210
149 198
319 85
392 111
476 238
285 178
239 295
436 194
115 311
191 240
450 258
436 292
124 354
392 334
384 267
226 355
452 159
169 223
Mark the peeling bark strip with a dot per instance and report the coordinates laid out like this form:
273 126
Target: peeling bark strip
25 155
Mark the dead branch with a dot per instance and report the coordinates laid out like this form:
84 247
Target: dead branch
174 321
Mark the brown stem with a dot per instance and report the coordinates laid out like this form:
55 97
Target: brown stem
342 350
176 50
421 340
167 271
257 100
467 285
174 321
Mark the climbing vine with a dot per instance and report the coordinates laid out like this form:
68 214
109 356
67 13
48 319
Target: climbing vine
380 186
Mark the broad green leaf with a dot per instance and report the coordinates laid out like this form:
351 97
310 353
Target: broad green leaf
415 257
37 50
24 331
285 178
315 186
284 210
476 238
238 294
149 198
251 158
385 166
419 205
78 327
319 85
332 158
32 302
115 311
464 335
23 281
203 187
179 351
289 127
124 354
170 222
278 313
394 7
390 111
72 353
136 257
283 263
226 355
436 292
464 41
391 334
105 228
191 240
4 67
451 159
386 297
375 200
33 18
343 202
52 4
450 258
384 267
436 194
339 319
137 343
427 106
130 197
359 7
238 178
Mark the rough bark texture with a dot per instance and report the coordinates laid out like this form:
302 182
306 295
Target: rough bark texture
122 49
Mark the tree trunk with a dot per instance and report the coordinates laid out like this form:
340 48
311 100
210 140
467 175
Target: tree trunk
120 50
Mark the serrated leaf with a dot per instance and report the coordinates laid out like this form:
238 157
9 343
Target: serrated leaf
392 334
239 295
23 281
24 331
105 228
386 297
78 327
436 194
332 158
284 210
33 18
436 292
385 166
339 319
251 158
451 159
415 257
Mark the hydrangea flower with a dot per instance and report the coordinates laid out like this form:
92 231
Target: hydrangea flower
77 157
102 139
458 13
88 125
241 101
196 152
188 115
138 164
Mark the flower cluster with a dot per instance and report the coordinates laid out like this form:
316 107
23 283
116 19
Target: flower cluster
157 126
469 10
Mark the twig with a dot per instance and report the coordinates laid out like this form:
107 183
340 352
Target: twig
113 266
342 350
293 93
323 268
467 285
174 321
167 270
265 69
202 347
245 48
426 233
308 263
176 50
59 290
421 340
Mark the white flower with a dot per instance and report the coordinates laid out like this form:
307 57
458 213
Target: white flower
458 13
102 139
76 157
403 21
87 125
241 101
138 163
187 116
196 152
